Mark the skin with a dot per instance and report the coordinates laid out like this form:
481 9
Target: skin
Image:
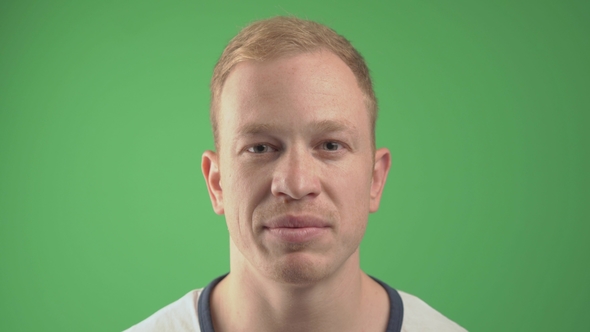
295 147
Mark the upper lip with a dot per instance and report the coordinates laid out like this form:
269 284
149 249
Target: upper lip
291 221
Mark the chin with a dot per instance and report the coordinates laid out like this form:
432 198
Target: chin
299 270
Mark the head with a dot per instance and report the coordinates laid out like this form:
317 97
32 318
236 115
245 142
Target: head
281 36
296 172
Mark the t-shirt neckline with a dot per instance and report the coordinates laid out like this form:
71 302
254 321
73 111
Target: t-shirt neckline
396 307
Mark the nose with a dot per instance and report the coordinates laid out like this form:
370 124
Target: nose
295 175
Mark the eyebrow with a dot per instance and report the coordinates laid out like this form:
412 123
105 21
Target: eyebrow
324 126
333 126
256 128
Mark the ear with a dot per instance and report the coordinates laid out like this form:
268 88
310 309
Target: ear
380 171
210 168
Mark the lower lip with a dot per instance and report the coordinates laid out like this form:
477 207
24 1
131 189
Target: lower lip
297 234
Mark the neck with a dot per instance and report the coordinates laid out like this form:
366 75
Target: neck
344 301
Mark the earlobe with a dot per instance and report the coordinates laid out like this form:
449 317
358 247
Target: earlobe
210 168
380 171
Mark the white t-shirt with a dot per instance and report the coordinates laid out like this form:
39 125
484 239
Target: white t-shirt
191 313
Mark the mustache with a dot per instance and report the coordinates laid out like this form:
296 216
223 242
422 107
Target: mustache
265 213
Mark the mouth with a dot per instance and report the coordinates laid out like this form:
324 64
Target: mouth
299 229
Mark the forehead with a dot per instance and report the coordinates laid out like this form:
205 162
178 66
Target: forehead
308 87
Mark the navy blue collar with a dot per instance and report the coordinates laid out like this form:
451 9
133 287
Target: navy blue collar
396 307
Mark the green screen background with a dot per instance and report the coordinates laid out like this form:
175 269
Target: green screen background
105 217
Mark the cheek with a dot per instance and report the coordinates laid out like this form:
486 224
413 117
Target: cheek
352 184
244 188
354 191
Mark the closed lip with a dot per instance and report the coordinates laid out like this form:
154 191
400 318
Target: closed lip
292 221
297 229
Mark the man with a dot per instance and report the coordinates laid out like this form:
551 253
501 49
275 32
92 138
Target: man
296 174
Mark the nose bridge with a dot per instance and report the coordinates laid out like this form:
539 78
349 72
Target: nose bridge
296 175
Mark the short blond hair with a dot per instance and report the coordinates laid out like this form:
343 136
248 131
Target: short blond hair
279 36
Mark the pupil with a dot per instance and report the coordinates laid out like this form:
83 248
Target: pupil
260 148
331 145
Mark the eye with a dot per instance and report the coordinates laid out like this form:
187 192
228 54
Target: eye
261 148
331 146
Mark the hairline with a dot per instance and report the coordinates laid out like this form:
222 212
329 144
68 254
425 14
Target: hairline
216 93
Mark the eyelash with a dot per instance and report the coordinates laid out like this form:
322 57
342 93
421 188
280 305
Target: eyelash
268 146
252 148
340 145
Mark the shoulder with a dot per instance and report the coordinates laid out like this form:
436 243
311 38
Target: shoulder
419 316
180 315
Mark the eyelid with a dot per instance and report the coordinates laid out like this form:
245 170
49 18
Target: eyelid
270 148
252 146
340 143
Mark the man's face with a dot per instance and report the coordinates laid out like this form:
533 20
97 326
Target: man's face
295 174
